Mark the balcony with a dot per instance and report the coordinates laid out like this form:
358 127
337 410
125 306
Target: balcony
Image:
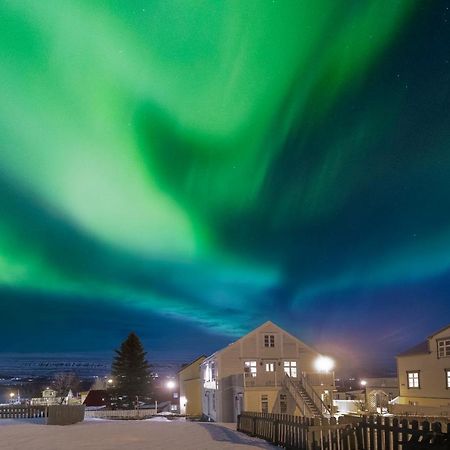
274 379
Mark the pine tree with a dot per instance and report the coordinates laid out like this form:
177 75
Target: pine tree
131 372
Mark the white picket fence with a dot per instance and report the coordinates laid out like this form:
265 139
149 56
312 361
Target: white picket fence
121 414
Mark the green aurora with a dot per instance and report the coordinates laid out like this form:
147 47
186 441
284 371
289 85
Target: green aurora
208 160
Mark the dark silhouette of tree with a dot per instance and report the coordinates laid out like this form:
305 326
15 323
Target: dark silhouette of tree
131 373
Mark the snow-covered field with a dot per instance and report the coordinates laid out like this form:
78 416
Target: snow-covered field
99 434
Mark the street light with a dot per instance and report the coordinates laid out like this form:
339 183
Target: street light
324 364
363 383
170 384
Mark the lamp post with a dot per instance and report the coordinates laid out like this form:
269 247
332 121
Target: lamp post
363 384
325 365
171 385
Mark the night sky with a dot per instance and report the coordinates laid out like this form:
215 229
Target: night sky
189 169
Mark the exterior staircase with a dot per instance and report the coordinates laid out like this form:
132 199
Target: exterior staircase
306 398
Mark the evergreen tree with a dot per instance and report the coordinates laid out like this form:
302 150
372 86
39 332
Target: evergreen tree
131 372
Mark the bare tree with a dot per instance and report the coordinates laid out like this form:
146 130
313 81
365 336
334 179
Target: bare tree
64 382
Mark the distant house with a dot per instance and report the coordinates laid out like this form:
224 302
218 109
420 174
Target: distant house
267 370
379 392
424 376
49 397
190 388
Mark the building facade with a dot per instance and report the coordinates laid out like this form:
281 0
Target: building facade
190 388
267 370
424 376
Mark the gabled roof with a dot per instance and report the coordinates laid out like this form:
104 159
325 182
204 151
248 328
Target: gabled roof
438 331
419 349
423 348
185 366
269 322
96 398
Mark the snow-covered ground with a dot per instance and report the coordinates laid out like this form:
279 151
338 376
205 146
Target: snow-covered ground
98 434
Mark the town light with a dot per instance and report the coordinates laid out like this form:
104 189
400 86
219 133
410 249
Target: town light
324 364
11 395
170 384
363 383
110 381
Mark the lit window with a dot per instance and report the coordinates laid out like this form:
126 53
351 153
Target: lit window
270 367
447 373
443 348
290 367
413 380
264 404
269 340
250 368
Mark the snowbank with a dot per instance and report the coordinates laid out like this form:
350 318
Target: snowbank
131 435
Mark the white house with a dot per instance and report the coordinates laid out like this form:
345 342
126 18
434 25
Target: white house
424 376
267 370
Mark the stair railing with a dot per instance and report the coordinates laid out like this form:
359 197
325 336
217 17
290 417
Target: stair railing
315 397
293 390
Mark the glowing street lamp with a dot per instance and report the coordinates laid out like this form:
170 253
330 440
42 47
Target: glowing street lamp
324 364
170 384
363 383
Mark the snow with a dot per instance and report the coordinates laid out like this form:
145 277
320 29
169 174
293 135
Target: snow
99 434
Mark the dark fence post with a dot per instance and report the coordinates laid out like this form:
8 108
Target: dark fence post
275 431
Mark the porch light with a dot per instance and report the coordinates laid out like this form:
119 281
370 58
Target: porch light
324 364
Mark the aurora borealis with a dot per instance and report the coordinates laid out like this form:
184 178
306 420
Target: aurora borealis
206 166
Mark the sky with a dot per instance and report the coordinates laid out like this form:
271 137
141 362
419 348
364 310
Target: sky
189 169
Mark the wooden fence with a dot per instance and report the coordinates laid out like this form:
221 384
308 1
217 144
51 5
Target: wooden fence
65 414
51 415
23 412
366 433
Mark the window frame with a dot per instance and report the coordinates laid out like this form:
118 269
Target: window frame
447 378
284 402
264 401
412 372
270 367
446 347
291 368
269 340
250 367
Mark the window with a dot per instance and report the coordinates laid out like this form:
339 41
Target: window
283 403
269 340
290 367
270 367
447 378
443 348
264 404
413 380
250 368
